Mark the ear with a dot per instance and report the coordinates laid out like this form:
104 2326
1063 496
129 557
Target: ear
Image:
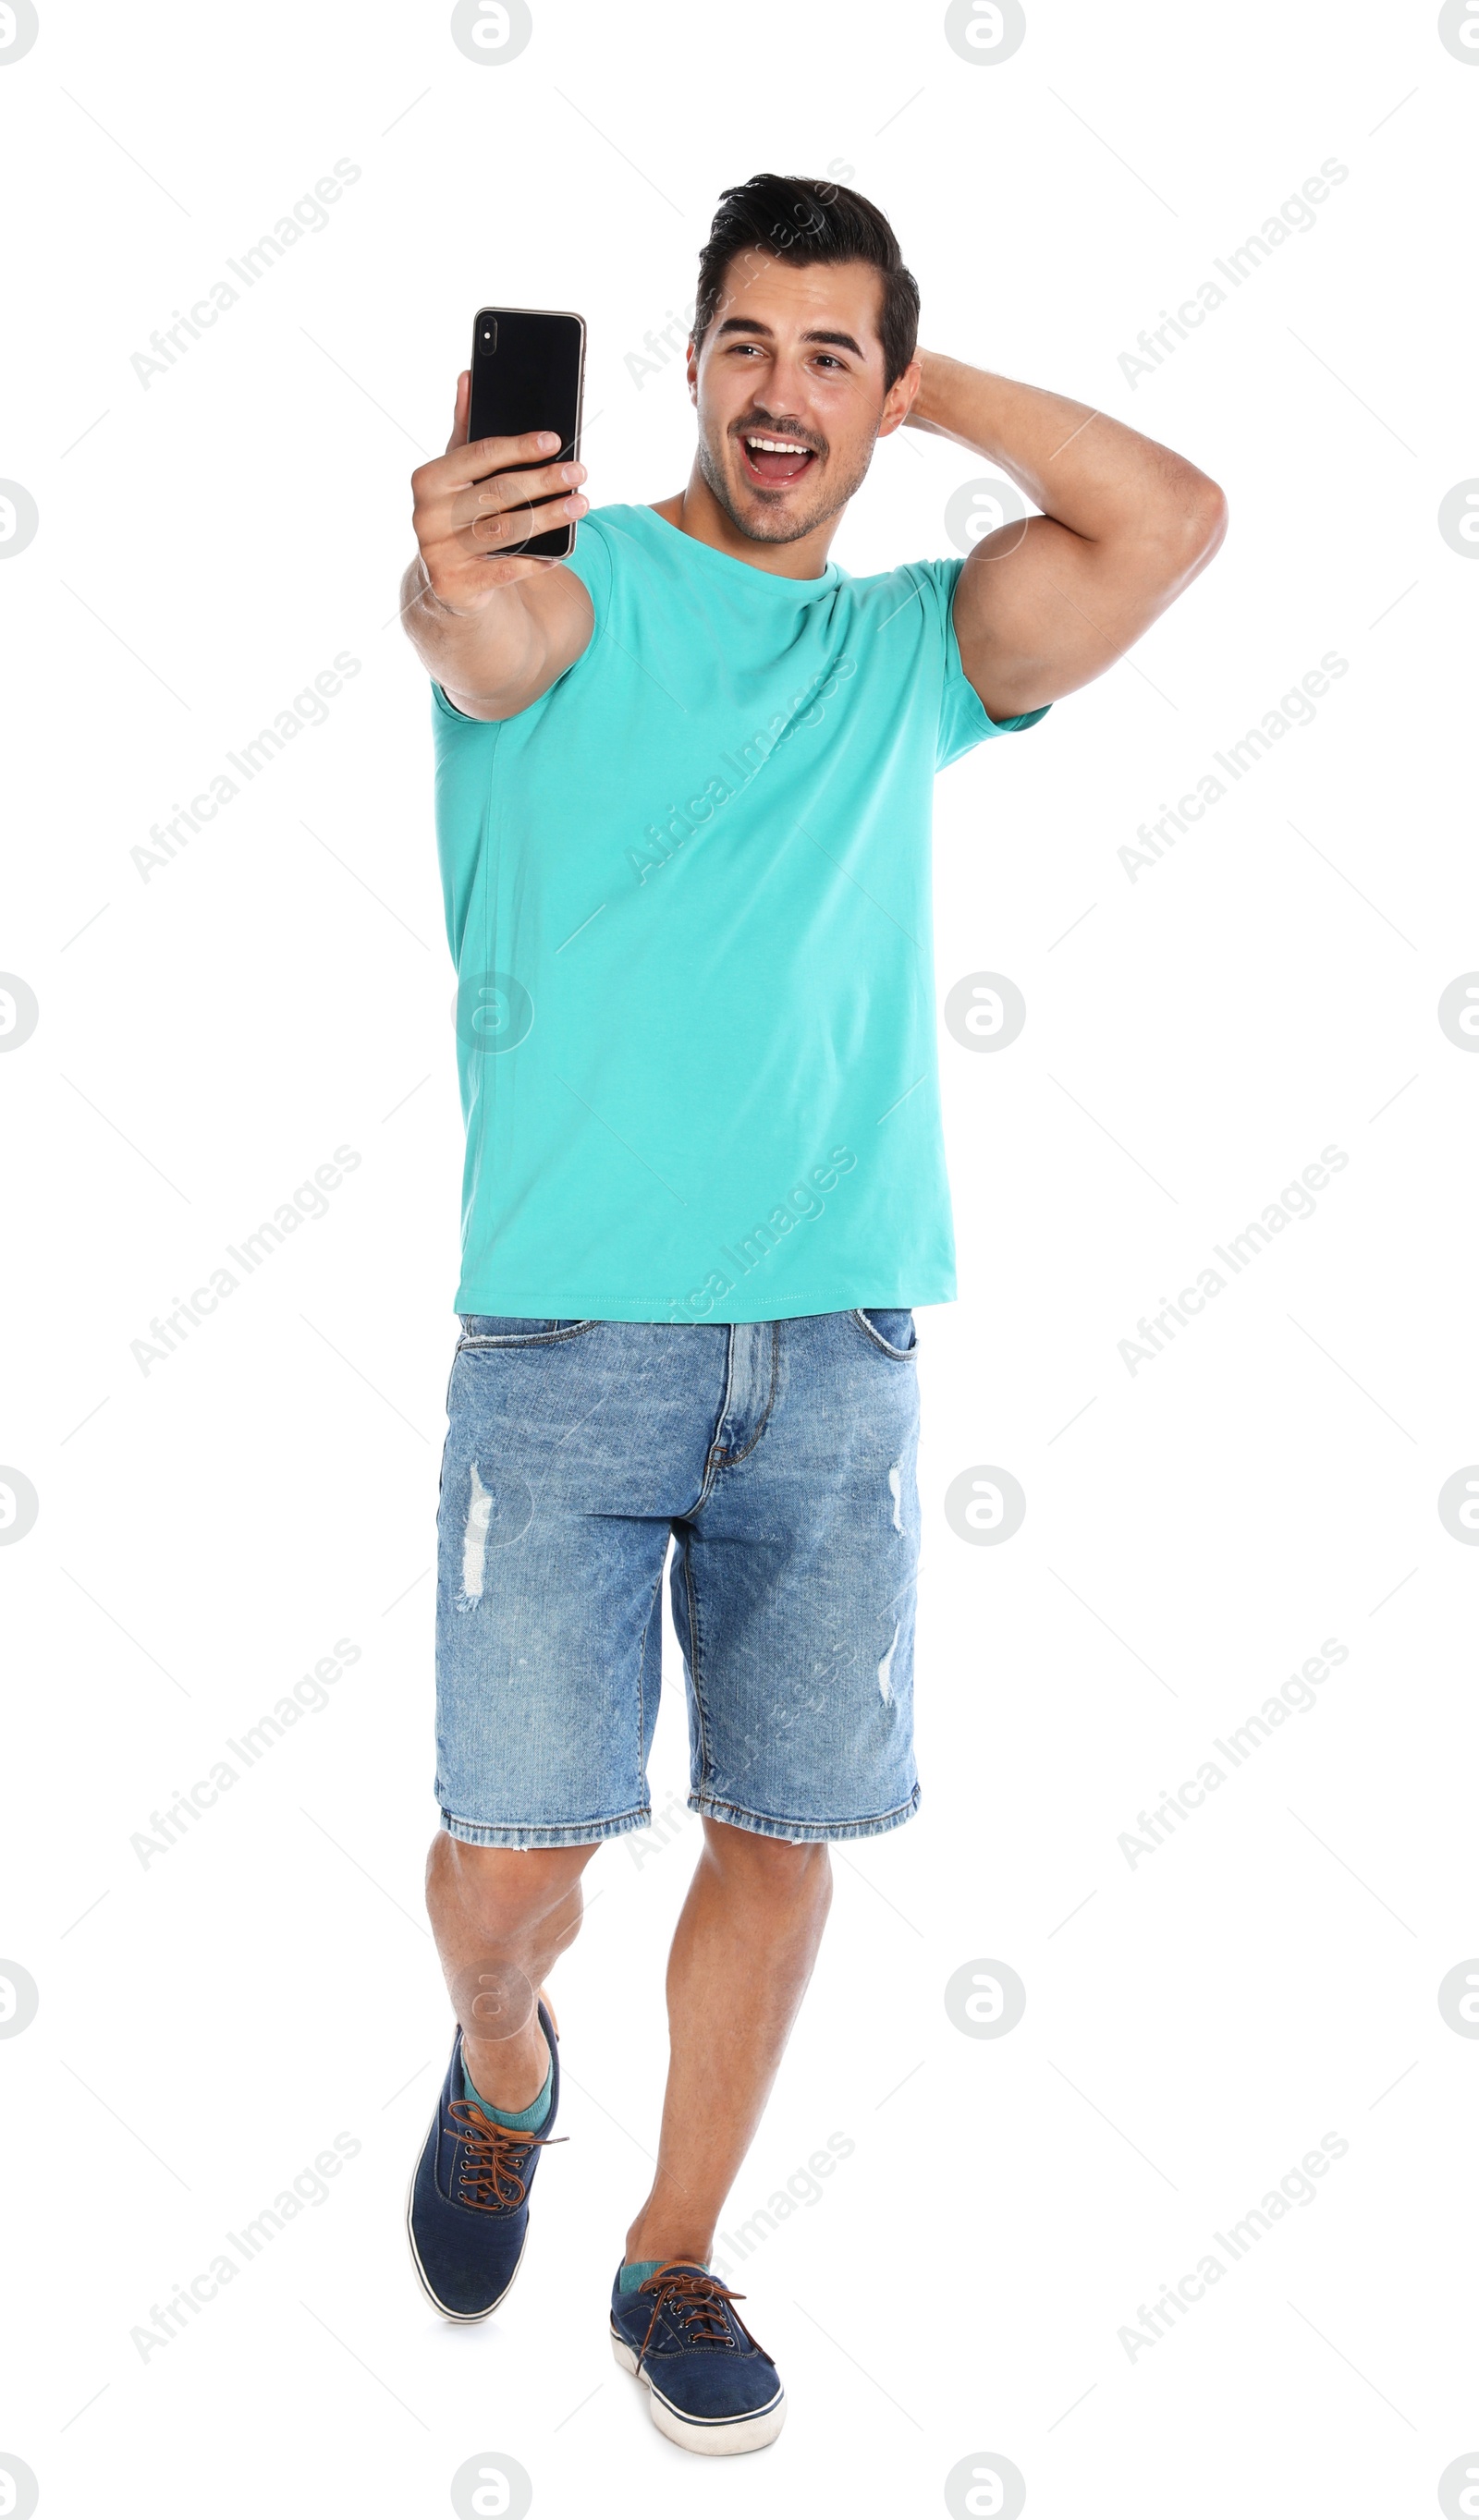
898 401
693 374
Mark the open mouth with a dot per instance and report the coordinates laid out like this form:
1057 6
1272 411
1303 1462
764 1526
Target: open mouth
772 462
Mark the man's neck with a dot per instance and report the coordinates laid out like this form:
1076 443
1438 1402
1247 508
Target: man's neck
697 511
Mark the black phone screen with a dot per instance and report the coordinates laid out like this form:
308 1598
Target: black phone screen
527 368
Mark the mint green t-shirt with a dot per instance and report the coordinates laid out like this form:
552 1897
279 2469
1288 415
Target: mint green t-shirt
688 898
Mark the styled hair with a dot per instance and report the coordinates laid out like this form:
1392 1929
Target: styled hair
799 221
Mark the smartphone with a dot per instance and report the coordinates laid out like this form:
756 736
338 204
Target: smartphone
529 373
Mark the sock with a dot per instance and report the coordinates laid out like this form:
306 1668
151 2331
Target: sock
524 2121
638 2270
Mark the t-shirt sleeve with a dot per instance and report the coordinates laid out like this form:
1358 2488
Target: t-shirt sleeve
963 721
590 562
445 708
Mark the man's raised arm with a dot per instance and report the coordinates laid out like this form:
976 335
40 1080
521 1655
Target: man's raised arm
493 632
1044 605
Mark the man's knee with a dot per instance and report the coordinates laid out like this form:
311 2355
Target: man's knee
777 1864
501 1892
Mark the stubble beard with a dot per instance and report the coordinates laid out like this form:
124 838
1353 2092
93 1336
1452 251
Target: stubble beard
763 524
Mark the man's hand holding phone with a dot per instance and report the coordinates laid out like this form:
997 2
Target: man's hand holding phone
475 501
495 625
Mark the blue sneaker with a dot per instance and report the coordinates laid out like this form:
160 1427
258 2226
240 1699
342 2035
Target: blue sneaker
711 2386
467 2214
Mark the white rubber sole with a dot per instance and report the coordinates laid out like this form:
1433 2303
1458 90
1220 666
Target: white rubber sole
721 2440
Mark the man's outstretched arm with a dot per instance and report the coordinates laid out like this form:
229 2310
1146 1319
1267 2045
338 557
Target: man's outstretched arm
1048 605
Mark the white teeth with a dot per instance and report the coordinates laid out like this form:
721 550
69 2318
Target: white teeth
777 446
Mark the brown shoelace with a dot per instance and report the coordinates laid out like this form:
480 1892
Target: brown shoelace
696 2298
488 2178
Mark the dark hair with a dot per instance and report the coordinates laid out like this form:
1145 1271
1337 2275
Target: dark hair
799 221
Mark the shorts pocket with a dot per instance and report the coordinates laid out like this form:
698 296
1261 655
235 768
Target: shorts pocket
505 1330
891 1330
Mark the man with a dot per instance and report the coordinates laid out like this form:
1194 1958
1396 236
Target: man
684 804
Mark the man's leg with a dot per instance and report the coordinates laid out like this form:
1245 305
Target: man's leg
745 1946
501 1916
793 1586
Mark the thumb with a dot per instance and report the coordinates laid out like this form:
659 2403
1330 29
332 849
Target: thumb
460 411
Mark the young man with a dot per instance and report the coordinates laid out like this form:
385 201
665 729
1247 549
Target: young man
684 811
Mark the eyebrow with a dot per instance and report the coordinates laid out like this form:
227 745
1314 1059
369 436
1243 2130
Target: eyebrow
748 324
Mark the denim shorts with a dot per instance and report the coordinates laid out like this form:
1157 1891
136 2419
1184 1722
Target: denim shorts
779 1457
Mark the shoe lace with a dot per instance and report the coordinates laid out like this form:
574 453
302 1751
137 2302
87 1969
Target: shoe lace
490 2177
695 2302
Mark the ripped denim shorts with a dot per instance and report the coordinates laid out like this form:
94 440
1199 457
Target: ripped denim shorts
777 1461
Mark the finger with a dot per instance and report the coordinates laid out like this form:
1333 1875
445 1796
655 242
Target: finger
489 536
485 455
460 409
491 533
515 489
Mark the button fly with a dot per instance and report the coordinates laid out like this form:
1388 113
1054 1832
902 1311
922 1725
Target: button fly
748 1388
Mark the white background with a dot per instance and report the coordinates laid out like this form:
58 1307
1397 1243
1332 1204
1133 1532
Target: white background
1195 1531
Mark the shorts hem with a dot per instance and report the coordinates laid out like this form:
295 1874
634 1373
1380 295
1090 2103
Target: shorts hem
577 1833
802 1833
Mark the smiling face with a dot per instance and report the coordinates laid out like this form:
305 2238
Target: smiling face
790 391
